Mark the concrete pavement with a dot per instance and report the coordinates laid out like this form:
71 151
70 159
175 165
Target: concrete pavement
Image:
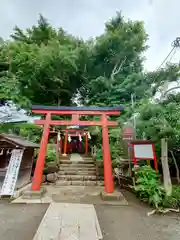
130 222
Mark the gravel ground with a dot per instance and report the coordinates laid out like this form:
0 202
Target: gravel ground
20 221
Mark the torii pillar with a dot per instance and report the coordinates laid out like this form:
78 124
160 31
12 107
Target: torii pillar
37 178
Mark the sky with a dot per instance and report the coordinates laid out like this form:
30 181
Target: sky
86 18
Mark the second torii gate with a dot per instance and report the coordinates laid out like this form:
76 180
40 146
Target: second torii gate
73 132
75 112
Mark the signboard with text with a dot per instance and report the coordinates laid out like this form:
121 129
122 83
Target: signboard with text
12 173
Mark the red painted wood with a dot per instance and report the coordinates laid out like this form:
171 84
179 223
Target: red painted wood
155 159
95 113
37 178
65 143
75 117
108 177
133 155
79 123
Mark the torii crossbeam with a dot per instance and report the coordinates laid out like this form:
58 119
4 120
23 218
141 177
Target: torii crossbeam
76 112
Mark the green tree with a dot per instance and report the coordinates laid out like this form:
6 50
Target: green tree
116 66
46 64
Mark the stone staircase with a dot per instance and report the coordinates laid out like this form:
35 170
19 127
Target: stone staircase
78 173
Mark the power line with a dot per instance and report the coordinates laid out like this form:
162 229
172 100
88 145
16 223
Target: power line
175 44
165 59
175 50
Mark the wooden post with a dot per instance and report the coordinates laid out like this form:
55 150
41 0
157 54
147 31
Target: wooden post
61 146
95 151
86 150
57 150
92 150
108 177
37 178
165 167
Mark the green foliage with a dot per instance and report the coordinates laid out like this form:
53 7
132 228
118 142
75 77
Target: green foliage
99 154
149 189
10 90
161 120
147 186
48 66
116 71
51 154
174 200
31 131
116 63
43 62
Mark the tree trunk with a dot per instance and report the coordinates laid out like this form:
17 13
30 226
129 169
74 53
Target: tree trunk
165 167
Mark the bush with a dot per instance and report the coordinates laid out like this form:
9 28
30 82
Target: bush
51 154
99 155
149 189
173 201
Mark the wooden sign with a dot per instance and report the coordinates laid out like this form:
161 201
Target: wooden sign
12 173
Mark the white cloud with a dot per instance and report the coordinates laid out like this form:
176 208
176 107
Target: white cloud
86 19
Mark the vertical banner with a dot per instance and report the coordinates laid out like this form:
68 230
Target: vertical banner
12 173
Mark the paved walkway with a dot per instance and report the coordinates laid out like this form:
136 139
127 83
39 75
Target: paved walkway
75 157
69 221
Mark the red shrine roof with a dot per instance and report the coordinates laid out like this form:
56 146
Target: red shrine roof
84 108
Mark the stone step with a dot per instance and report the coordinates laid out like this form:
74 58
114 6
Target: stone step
79 165
77 171
88 159
78 183
77 177
91 161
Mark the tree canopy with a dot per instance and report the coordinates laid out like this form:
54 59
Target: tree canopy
48 66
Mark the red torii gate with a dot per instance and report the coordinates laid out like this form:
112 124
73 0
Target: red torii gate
104 112
72 132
